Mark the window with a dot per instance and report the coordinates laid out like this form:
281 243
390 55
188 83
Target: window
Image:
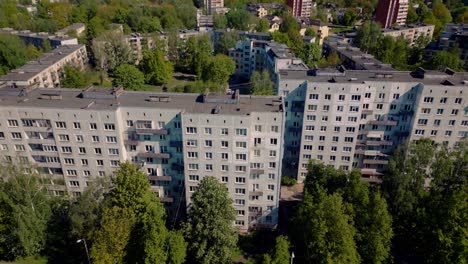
240 213
208 131
433 132
426 111
20 148
313 96
437 122
4 147
347 149
2 135
16 135
367 95
440 111
224 179
191 143
76 125
224 144
73 183
93 126
109 126
309 128
258 128
66 149
100 162
341 97
422 122
419 132
271 176
102 173
60 125
209 155
352 119
241 144
326 108
191 130
49 148
224 156
335 139
273 141
379 106
224 168
328 97
458 100
448 133
208 143
396 96
86 173
192 155
275 129
348 139
257 153
241 169
193 166
323 128
79 138
272 153
270 197
12 123
354 108
114 163
272 165
241 132
308 138
242 157
129 123
451 122
324 118
340 108
310 117
194 178
271 187
454 112
95 138
64 138
355 98
224 131
240 191
84 162
98 151
240 202
111 139
113 151
312 107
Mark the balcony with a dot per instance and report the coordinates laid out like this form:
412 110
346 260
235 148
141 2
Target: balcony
149 131
252 193
375 161
401 133
154 155
257 171
41 140
130 142
383 122
367 111
406 112
55 187
379 143
160 178
177 166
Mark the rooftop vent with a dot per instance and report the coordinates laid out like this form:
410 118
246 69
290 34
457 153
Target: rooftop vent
216 109
51 96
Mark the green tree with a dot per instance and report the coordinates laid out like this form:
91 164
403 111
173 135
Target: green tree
13 53
261 83
176 248
113 236
441 12
263 25
220 21
368 36
323 231
209 229
110 51
281 254
225 42
310 53
349 17
73 78
195 53
129 77
25 210
155 67
218 69
239 18
444 59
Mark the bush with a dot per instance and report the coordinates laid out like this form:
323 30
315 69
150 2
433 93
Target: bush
288 181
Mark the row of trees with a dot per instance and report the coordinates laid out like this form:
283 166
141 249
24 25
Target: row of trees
121 220
14 53
419 212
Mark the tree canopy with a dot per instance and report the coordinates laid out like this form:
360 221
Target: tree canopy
128 76
261 83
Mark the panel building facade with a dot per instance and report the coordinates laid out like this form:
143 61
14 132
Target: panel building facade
355 119
75 135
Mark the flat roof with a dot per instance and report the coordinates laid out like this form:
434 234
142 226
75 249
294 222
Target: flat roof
30 34
405 27
360 76
34 67
113 98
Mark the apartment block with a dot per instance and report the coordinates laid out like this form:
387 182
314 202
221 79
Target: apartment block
46 71
37 39
212 6
390 12
138 43
300 8
411 32
75 135
355 119
455 36
258 55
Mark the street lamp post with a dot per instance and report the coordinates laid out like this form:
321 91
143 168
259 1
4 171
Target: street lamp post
292 257
86 248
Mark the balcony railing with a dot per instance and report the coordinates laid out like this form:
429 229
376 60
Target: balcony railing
383 122
257 171
166 199
375 161
160 178
154 155
149 131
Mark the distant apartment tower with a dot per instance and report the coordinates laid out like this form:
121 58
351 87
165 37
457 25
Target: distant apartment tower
300 8
390 12
212 5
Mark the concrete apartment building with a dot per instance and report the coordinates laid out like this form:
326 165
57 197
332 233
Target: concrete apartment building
410 32
355 119
138 42
75 135
212 6
391 12
455 36
37 39
258 55
46 71
300 8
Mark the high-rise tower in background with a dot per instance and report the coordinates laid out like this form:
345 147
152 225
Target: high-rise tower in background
390 12
300 8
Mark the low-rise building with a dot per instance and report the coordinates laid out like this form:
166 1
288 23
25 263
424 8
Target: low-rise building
47 70
37 39
78 29
410 32
320 28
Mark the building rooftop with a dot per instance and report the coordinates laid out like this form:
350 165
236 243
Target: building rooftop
75 26
41 35
446 78
113 98
405 27
34 67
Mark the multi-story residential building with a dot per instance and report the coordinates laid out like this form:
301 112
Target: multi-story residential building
212 6
411 32
300 8
74 135
455 36
353 58
355 119
37 39
46 71
391 12
138 43
257 55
